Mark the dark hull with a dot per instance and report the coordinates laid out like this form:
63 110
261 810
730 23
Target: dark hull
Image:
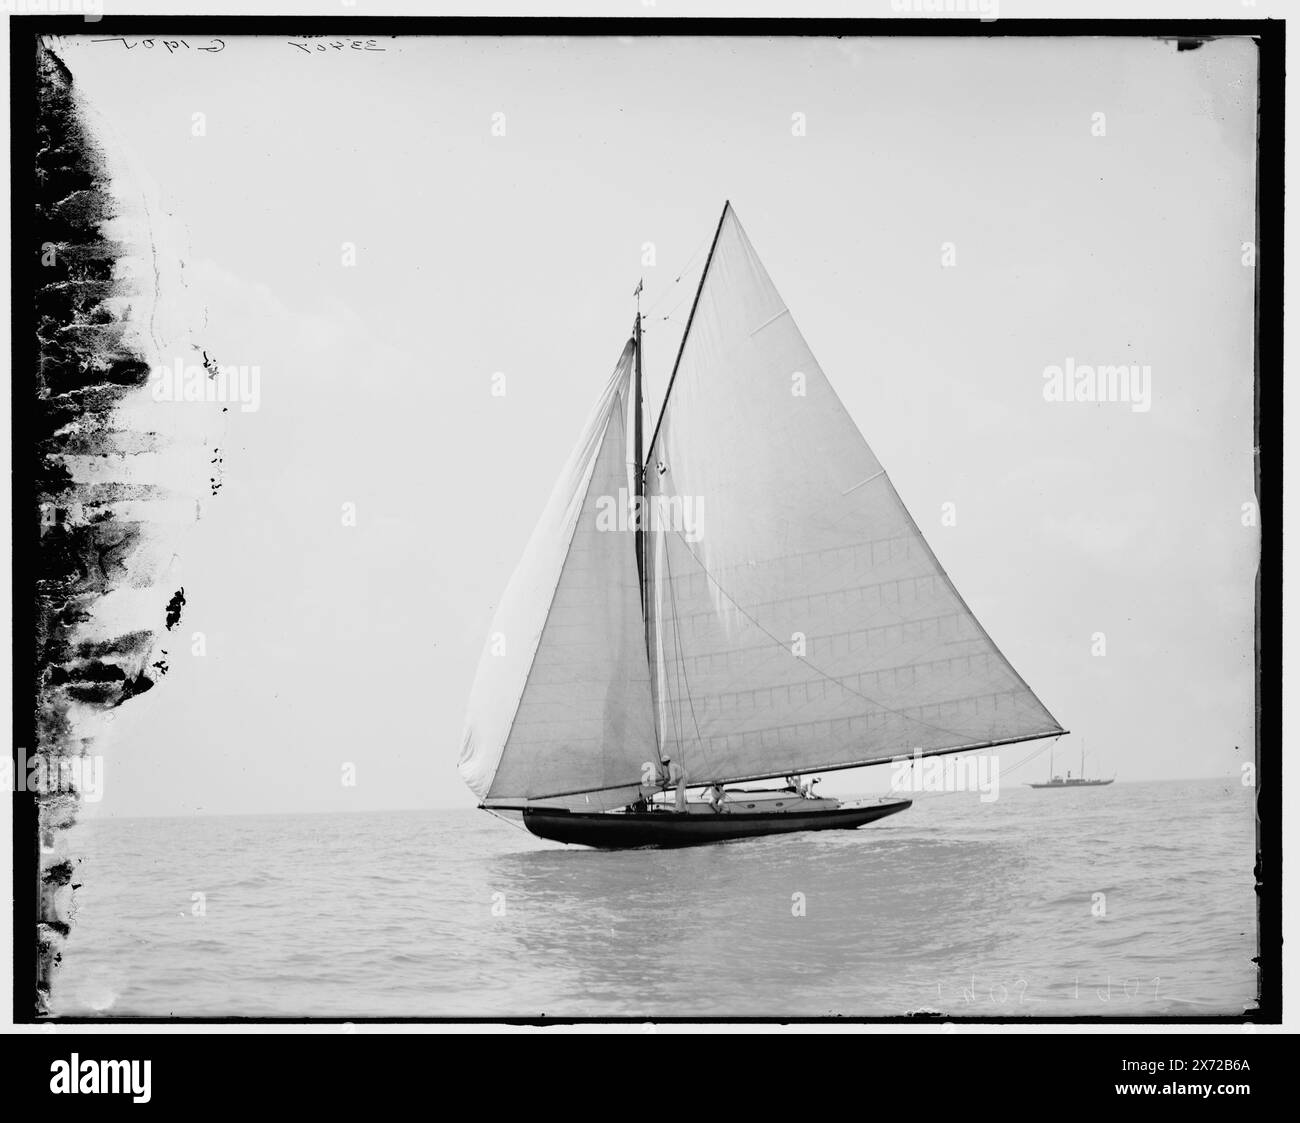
627 830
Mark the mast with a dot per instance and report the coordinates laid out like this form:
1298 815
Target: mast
638 454
644 456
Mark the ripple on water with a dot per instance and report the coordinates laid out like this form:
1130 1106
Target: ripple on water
955 905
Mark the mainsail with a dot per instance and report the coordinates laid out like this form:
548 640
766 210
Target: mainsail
794 618
561 702
804 624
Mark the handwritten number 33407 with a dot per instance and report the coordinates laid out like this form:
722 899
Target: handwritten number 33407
338 45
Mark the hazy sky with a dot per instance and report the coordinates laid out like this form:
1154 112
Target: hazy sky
518 254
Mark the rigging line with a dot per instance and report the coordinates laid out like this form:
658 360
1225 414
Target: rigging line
673 310
680 274
668 704
1039 751
804 659
691 260
677 717
652 645
677 733
497 815
681 659
654 659
677 672
681 347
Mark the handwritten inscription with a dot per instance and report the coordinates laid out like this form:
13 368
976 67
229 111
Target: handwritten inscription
309 45
214 47
328 45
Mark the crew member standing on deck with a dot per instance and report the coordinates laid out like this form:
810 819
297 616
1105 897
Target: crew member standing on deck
676 776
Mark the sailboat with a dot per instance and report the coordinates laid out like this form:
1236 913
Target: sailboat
743 598
1068 781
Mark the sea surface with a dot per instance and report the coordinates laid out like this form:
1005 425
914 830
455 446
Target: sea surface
1134 899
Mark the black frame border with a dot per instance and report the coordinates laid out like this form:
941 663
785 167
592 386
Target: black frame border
1270 38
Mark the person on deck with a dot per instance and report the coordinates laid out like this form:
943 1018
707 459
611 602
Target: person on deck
676 777
717 796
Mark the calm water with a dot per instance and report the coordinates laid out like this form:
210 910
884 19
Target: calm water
955 906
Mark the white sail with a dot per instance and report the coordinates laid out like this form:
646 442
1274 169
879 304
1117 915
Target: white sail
561 701
802 623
